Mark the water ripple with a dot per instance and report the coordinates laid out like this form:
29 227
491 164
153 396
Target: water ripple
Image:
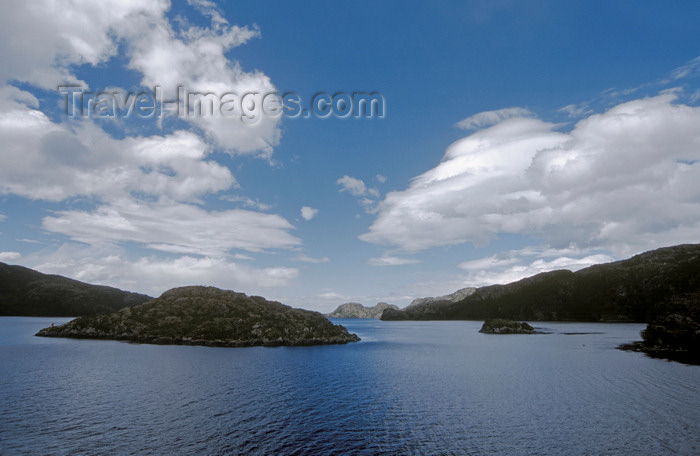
437 388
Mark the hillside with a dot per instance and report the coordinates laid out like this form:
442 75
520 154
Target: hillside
640 289
26 292
357 310
208 316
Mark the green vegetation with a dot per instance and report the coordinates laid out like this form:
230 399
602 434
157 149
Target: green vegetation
25 292
502 326
208 316
640 289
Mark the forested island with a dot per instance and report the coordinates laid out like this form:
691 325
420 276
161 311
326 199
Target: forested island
208 316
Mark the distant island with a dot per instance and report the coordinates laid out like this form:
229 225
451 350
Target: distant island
29 293
208 316
502 326
357 310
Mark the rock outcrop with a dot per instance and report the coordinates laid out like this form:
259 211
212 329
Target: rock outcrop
208 316
357 310
29 293
501 326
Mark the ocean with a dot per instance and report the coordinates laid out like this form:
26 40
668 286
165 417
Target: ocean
408 388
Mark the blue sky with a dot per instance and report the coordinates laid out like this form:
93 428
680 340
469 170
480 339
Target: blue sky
517 138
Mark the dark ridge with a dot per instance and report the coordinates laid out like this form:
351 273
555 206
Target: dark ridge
29 293
640 289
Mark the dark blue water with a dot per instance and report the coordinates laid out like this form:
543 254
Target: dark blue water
409 388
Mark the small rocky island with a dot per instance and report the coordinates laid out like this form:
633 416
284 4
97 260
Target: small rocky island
501 326
208 316
357 310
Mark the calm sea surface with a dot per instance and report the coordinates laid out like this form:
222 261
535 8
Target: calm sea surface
423 388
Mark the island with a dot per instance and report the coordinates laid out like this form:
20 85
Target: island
357 310
502 326
209 316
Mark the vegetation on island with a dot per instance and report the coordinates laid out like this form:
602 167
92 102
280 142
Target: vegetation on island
208 316
503 326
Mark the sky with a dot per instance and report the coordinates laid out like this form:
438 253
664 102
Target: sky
496 140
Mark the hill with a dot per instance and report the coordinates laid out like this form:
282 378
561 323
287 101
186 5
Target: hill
208 316
26 292
357 310
643 288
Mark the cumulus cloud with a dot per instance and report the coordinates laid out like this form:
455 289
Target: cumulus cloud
308 213
488 118
195 59
63 34
624 180
45 160
146 190
355 187
10 256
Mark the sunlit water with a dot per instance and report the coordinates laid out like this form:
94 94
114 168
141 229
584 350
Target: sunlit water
433 388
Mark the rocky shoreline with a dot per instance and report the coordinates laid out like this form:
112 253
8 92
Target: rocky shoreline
675 337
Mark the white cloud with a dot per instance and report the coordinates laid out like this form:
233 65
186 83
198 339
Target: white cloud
624 180
45 160
308 259
488 118
209 8
308 213
381 178
195 59
510 266
355 187
367 196
248 202
333 296
42 39
686 70
10 256
152 275
177 228
391 261
145 188
577 110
